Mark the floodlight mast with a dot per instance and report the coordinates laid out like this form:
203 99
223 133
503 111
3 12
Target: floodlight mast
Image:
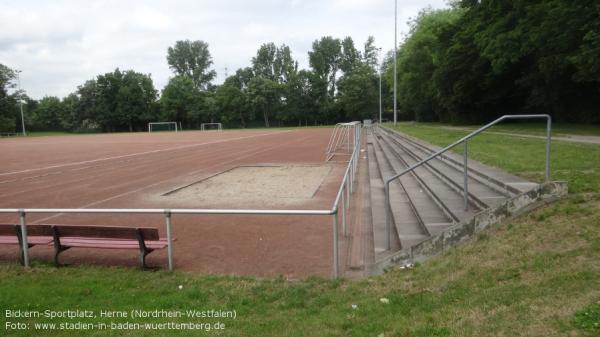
380 69
21 101
395 55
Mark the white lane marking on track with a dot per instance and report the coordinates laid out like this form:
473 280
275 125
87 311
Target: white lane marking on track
162 181
140 153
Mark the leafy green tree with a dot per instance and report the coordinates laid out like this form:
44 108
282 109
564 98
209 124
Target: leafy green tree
115 101
263 64
88 107
232 99
285 65
418 60
68 117
7 102
370 57
350 56
265 96
522 56
324 59
134 99
359 93
181 101
47 115
192 59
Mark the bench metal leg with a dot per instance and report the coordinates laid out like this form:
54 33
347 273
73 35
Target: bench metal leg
143 253
58 250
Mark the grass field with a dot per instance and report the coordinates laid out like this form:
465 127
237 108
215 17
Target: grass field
530 128
537 275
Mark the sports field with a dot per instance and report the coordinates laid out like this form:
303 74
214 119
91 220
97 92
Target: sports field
183 170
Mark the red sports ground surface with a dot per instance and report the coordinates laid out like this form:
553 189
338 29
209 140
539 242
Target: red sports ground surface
134 170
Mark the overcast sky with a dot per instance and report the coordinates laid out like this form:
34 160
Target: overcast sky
60 44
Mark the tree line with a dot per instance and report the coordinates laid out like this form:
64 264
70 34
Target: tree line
470 63
341 84
482 58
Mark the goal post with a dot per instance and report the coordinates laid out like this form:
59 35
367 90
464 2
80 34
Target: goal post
211 127
163 126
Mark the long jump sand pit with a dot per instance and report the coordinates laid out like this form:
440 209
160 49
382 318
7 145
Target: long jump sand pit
137 170
254 186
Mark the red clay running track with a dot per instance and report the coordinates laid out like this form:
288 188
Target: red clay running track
122 170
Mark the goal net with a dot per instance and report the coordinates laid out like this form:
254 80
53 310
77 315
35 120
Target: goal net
211 127
163 126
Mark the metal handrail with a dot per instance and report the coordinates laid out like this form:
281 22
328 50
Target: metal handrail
464 140
345 186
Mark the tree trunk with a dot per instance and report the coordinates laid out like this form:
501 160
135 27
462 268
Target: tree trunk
242 121
266 117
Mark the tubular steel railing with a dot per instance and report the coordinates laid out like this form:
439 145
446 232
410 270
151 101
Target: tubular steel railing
343 194
465 139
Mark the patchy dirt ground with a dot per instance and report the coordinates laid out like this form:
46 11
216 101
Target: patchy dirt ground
254 186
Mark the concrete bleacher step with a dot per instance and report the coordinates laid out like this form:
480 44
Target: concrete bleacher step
425 195
480 195
404 215
429 199
377 203
503 182
409 213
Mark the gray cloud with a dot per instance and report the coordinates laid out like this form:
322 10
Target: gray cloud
61 44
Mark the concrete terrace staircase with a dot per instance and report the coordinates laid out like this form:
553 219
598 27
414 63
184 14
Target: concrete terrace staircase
429 199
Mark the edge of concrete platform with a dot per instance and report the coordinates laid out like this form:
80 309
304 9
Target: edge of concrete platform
462 232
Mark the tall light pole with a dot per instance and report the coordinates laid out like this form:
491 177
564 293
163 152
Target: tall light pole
395 55
21 101
380 109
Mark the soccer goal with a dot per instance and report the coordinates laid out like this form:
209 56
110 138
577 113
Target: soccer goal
211 127
163 126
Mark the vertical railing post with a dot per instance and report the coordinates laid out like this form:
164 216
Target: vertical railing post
347 193
169 239
548 140
335 247
344 212
348 141
25 244
354 138
351 173
466 176
388 216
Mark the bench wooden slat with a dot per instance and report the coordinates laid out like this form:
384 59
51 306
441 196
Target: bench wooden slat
34 240
32 230
149 233
9 240
8 229
82 243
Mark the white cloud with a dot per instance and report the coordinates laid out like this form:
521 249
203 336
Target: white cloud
60 44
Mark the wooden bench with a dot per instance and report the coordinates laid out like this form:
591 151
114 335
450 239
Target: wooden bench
10 234
145 239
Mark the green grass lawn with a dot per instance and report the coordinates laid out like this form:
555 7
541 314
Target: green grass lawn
536 275
579 164
530 128
558 129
